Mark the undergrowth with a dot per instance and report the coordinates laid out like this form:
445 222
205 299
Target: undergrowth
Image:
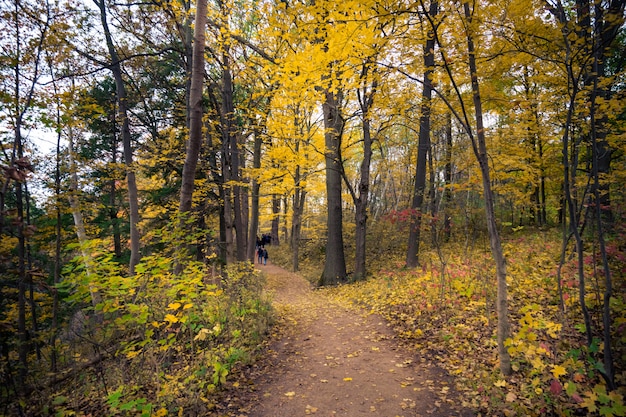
152 344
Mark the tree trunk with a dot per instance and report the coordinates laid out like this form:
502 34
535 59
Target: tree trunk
412 255
57 241
195 111
335 264
122 106
256 187
361 200
276 219
296 222
494 238
79 224
447 197
236 235
285 201
433 199
244 192
608 24
115 222
21 266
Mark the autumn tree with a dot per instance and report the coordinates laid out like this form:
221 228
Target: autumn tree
424 139
325 42
477 134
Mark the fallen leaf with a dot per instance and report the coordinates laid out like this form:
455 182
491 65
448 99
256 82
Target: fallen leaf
558 371
555 387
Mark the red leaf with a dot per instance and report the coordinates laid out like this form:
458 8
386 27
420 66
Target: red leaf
555 387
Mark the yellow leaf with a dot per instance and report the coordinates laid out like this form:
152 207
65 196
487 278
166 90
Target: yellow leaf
538 363
202 334
347 379
558 370
132 354
171 318
589 402
290 394
161 412
500 383
187 306
173 306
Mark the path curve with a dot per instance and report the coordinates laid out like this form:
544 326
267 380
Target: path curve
330 360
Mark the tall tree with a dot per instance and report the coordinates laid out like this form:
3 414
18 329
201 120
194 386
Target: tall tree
335 263
423 147
122 108
477 138
365 95
195 113
479 146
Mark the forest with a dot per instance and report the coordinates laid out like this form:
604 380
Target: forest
456 167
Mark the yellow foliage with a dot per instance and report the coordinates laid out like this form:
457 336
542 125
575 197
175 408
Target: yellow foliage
558 371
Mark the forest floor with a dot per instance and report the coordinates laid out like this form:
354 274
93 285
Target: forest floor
325 359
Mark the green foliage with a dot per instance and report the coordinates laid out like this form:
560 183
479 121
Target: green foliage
167 342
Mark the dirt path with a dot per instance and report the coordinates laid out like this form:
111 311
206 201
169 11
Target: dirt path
334 361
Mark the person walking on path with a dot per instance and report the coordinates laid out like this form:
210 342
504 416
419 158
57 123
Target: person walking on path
265 256
259 253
